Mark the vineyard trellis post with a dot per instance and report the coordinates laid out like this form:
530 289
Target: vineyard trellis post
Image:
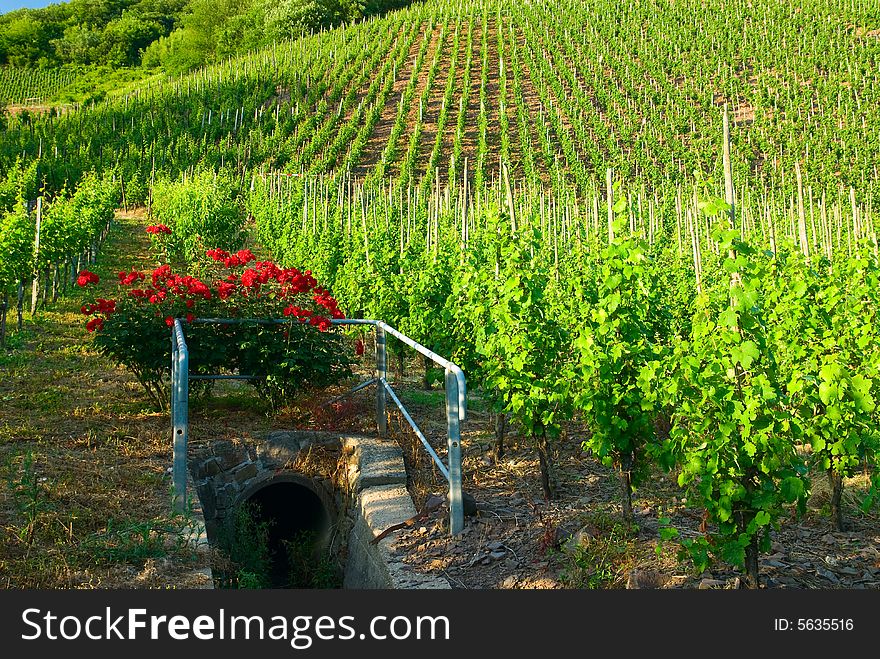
35 284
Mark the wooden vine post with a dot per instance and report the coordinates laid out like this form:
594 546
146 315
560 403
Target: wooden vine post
35 284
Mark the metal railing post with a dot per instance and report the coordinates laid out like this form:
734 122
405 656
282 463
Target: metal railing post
456 406
453 455
173 377
381 372
180 398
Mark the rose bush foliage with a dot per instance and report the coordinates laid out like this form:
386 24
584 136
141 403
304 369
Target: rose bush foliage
302 352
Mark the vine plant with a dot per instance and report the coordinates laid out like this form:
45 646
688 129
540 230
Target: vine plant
732 429
620 335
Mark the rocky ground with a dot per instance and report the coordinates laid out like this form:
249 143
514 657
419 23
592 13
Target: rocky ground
516 539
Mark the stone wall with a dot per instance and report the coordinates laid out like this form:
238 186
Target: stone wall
378 483
228 473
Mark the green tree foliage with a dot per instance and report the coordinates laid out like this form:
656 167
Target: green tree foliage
16 245
86 32
212 30
17 229
25 39
832 372
522 344
733 429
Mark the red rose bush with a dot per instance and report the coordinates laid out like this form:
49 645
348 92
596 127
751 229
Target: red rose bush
300 353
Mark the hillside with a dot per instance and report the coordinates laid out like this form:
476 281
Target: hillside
177 34
560 93
645 231
81 51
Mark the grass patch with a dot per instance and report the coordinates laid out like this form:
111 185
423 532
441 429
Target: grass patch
244 560
432 398
84 494
603 557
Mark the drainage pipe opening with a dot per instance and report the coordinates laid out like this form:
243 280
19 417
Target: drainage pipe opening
280 538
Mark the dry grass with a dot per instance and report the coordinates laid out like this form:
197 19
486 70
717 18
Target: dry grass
84 488
867 33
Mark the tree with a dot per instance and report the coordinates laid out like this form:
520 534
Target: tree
126 37
293 17
824 326
524 346
25 39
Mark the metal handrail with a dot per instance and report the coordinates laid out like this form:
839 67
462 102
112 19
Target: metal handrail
456 404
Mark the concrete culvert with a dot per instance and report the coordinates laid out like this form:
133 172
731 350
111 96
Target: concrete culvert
298 523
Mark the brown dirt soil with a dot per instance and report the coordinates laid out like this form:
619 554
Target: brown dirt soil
448 140
38 108
531 101
516 539
364 87
864 32
412 117
431 115
510 104
493 86
471 139
382 131
565 118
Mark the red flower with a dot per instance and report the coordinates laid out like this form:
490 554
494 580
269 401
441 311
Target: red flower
190 304
323 298
158 229
359 347
161 273
128 278
106 306
224 289
85 278
169 321
190 317
245 256
268 270
249 277
217 254
199 288
95 324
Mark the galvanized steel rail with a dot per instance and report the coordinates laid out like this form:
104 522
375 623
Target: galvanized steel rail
456 404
